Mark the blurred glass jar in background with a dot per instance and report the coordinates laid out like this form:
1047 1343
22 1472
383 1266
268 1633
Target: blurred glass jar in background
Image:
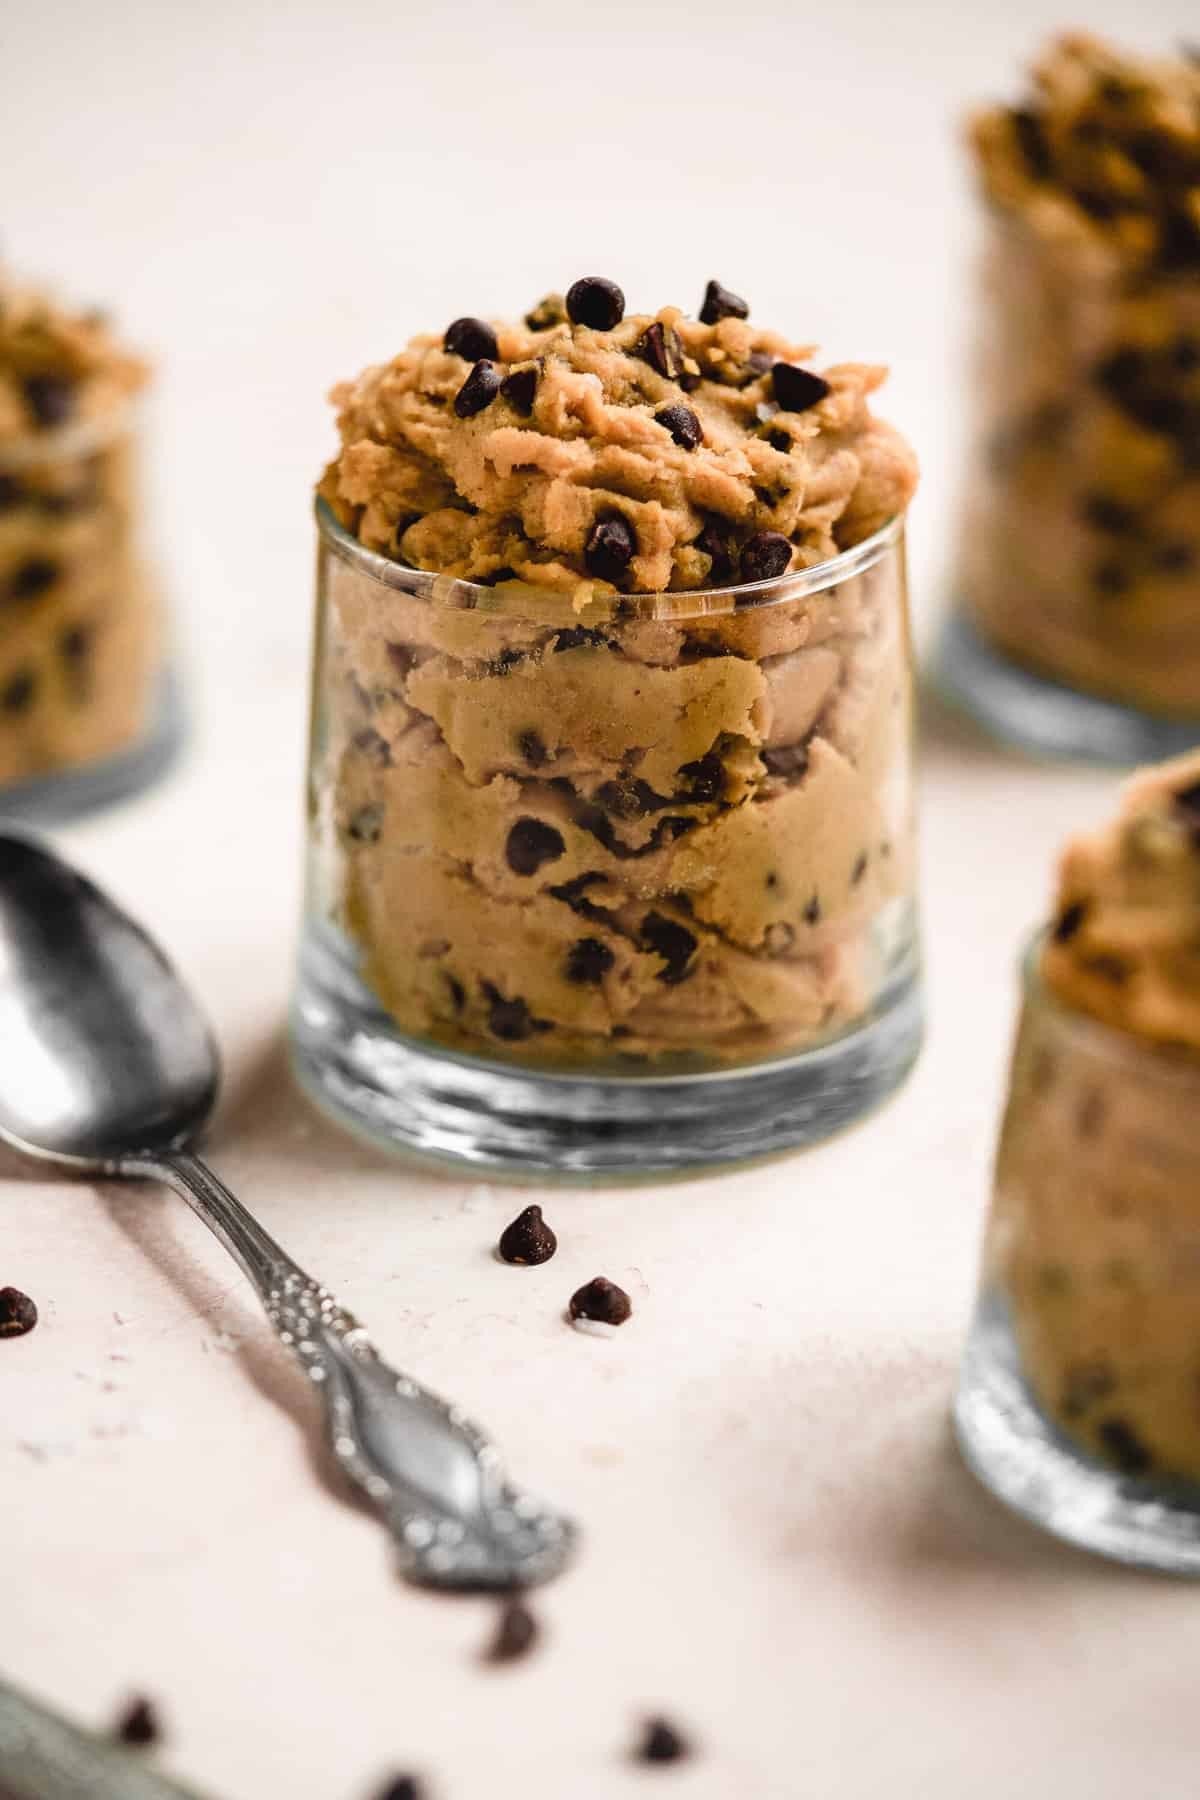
608 887
86 712
1077 624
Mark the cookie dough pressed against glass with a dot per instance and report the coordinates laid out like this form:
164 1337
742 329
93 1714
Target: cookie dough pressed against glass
582 806
81 649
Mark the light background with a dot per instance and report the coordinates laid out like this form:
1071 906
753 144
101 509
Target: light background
782 1549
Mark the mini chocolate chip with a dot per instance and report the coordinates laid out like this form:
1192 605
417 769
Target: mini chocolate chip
138 1724
33 577
766 554
472 339
603 1300
704 779
17 693
531 843
401 1787
588 961
596 302
1174 559
1069 921
1111 580
519 389
510 1020
1033 142
11 493
18 1314
716 547
458 993
796 389
812 912
516 1631
720 304
779 440
610 548
859 869
51 399
673 942
1104 513
659 345
661 1742
682 424
1124 1446
478 390
1187 803
532 749
528 1239
549 311
366 824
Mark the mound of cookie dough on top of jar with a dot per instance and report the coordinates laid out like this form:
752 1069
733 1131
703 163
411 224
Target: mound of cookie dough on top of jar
81 638
620 783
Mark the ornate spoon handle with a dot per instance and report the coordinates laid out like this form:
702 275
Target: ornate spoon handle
433 1476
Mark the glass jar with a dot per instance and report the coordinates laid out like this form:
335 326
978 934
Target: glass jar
1079 1401
618 887
87 710
1077 625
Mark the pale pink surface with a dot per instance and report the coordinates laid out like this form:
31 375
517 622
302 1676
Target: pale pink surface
782 1550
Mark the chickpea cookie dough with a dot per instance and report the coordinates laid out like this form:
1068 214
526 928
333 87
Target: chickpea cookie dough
1096 1234
80 637
577 827
1080 553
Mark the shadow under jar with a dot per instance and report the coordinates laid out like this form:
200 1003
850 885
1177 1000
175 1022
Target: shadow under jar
1079 1401
87 707
1076 630
613 889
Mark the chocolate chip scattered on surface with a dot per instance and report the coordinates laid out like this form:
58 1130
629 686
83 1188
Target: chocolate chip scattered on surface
661 1742
528 1240
139 1725
402 1787
602 1301
18 1314
517 1633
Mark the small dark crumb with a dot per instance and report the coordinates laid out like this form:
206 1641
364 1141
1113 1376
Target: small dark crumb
1124 1446
812 912
458 993
1174 559
371 745
659 346
548 312
779 440
366 824
519 389
1104 513
51 399
531 843
401 1787
602 1300
859 869
75 642
661 1742
472 339
610 548
682 424
588 962
720 304
797 389
1110 579
766 554
1035 147
1108 968
528 1240
16 695
32 577
517 1632
595 302
478 390
534 751
138 1724
1069 921
18 1314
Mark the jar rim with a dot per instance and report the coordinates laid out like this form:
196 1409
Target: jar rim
1164 1062
515 598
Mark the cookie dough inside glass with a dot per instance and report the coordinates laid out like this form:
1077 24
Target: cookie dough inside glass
1095 1236
81 644
1080 549
605 776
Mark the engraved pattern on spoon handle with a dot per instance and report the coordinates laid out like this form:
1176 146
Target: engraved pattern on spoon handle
431 1473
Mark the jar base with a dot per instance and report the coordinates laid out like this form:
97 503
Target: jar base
1030 712
504 1121
1013 1449
66 794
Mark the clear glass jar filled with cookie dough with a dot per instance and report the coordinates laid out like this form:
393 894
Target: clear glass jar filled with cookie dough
1077 624
614 887
86 708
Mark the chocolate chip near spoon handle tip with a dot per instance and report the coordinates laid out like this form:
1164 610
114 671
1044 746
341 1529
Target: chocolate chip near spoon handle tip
18 1314
472 339
766 554
661 1742
660 347
478 390
610 548
595 302
797 389
719 304
528 1240
517 1632
138 1724
682 424
602 1301
519 389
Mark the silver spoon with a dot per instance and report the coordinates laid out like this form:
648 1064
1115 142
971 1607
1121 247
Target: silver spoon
108 1068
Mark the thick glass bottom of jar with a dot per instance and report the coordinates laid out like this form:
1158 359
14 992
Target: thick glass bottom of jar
65 794
1015 1451
500 1119
1031 712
